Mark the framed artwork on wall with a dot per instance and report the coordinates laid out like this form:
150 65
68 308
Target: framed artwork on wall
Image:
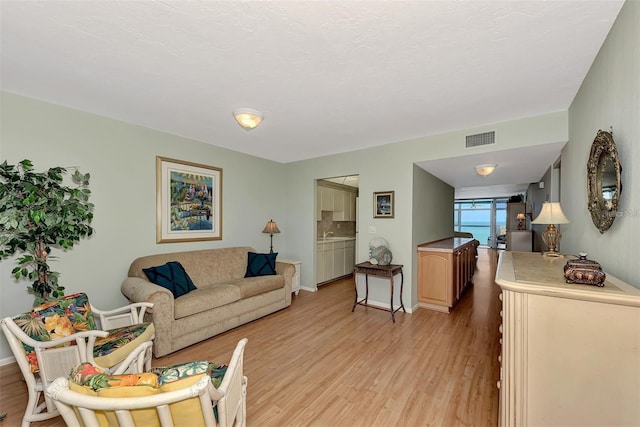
383 204
188 201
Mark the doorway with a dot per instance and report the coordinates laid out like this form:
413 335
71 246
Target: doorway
336 227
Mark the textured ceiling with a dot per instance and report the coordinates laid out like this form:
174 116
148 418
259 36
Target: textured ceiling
329 76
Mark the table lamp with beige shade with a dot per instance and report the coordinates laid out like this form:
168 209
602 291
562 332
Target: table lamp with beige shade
551 214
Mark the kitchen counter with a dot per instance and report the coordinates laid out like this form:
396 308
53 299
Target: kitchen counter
445 245
335 239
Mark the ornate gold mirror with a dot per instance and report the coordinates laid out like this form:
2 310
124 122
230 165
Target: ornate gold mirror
603 181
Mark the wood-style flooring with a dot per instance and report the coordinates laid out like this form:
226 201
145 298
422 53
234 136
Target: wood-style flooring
318 364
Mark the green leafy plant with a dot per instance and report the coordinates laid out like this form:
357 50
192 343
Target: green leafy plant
38 212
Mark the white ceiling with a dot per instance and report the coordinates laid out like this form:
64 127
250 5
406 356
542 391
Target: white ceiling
329 76
515 169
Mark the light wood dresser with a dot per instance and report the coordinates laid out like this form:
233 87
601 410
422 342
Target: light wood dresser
570 353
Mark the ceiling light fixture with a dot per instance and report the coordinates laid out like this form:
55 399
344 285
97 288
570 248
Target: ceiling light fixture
486 169
247 118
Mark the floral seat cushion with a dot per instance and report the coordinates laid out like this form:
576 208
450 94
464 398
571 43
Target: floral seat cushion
91 380
71 314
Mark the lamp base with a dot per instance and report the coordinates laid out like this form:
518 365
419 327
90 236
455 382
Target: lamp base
551 255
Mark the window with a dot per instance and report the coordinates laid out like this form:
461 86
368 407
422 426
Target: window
486 219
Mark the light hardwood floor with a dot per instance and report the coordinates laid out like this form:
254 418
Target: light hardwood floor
318 364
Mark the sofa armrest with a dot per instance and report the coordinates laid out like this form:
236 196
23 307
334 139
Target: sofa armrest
162 313
287 270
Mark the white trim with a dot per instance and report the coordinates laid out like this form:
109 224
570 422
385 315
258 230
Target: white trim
7 361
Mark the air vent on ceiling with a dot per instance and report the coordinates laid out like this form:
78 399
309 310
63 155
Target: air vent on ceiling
478 139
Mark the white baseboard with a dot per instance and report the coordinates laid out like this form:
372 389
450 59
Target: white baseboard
305 288
7 361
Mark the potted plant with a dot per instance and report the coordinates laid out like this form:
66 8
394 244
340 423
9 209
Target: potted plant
38 212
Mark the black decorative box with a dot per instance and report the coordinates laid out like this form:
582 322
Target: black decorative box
584 271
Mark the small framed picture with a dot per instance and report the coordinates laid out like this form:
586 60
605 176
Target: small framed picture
383 204
189 201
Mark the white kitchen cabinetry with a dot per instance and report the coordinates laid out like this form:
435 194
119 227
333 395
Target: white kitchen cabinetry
341 202
334 259
327 202
338 259
349 256
570 353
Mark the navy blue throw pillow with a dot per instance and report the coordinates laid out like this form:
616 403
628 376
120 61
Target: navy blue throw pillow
172 277
261 264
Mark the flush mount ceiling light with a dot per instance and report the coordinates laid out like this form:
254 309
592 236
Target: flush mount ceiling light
486 169
248 118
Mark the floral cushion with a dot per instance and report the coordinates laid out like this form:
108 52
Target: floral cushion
91 380
55 319
167 374
95 378
71 314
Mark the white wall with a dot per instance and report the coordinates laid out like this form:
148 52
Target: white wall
609 96
121 161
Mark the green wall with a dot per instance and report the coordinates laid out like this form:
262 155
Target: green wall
121 160
391 167
608 97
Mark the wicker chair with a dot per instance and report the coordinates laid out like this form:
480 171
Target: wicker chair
54 337
188 406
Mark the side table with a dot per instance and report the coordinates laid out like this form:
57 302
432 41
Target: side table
295 283
388 271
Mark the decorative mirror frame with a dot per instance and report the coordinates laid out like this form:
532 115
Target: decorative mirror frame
603 212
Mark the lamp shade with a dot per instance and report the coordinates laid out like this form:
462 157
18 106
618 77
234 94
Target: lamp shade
486 169
247 118
271 228
551 213
520 217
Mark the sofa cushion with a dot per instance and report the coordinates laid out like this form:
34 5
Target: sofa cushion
171 276
206 298
205 267
251 286
261 264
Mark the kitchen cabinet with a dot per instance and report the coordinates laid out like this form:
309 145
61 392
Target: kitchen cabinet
341 202
349 256
334 259
569 353
445 269
327 198
345 210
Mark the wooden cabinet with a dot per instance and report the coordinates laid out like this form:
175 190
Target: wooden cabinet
570 353
445 269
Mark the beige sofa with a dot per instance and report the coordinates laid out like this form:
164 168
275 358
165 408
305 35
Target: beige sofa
224 298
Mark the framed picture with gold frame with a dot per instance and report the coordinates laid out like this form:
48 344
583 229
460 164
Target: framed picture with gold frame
188 201
383 204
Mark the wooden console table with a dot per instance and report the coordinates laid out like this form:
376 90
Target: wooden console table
388 271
